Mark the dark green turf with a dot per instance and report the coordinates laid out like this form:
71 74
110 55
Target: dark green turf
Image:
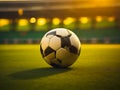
22 68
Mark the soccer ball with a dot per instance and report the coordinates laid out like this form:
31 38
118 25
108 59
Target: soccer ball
60 47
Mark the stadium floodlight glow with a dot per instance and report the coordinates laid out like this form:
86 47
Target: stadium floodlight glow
4 22
111 19
56 21
104 2
41 21
20 11
98 18
22 22
32 20
84 20
68 20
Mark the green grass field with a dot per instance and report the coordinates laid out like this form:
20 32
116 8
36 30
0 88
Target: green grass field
22 68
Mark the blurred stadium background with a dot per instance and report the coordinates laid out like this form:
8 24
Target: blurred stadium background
26 21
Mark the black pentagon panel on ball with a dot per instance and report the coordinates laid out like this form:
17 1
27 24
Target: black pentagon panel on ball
59 36
65 42
48 50
73 49
51 33
41 51
69 35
